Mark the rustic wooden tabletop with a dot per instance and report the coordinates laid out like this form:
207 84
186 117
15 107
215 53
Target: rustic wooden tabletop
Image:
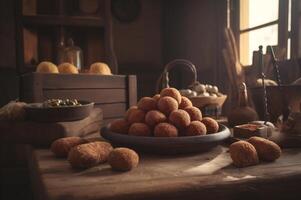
201 176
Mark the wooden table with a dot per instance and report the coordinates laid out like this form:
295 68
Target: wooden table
202 176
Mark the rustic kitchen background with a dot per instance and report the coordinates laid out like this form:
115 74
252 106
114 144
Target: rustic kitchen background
161 31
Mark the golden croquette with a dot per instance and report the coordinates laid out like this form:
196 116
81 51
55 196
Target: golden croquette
194 113
167 104
211 125
156 97
179 118
140 129
123 159
89 155
195 128
136 115
154 117
120 126
266 149
185 103
129 111
165 130
147 104
171 92
62 146
243 154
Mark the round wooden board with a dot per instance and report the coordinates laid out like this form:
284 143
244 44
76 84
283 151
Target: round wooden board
167 145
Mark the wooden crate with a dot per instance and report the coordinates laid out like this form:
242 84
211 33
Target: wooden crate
113 94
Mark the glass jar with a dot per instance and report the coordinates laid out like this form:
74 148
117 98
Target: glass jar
73 54
60 53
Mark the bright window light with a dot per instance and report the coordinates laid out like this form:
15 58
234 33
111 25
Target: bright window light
254 13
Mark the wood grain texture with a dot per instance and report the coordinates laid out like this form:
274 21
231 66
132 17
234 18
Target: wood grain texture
54 81
16 158
206 176
46 20
114 94
109 120
43 134
146 75
94 95
111 110
31 88
132 90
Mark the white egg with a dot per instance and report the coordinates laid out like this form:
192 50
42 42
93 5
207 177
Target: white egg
215 89
209 88
200 88
185 92
193 94
206 94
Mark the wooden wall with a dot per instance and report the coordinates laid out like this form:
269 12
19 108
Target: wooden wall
170 29
14 181
140 41
138 46
193 30
7 35
8 74
164 30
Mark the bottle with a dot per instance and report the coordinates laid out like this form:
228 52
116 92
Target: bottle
243 113
73 55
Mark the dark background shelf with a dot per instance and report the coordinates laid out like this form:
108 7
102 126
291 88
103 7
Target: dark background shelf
43 27
44 20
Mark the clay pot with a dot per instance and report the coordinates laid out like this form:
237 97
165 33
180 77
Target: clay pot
243 113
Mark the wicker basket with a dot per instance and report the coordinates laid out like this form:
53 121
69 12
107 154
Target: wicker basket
201 102
198 101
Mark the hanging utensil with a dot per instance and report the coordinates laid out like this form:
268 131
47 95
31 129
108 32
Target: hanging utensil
285 108
265 99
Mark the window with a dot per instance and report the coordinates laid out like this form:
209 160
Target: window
263 22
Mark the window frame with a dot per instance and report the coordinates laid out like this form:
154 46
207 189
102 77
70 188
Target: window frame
282 21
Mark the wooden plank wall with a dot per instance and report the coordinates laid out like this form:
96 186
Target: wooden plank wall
194 30
139 44
175 29
8 75
7 35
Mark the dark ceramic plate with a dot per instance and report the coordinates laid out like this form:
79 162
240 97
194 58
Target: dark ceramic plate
187 144
36 112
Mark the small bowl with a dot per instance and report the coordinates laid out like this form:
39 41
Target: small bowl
36 112
167 145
